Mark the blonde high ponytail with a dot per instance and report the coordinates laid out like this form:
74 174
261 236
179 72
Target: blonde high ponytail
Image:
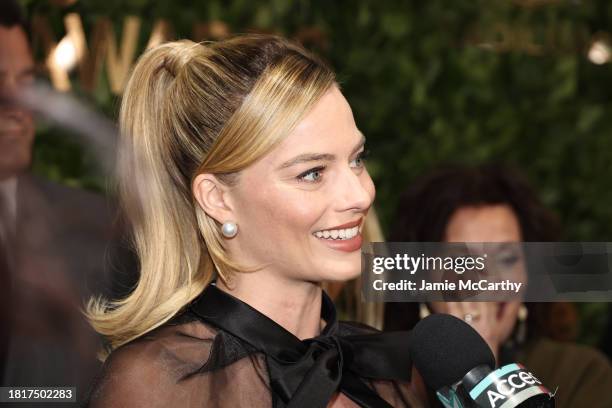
190 108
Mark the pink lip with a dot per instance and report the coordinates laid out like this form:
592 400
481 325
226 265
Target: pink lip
347 225
346 245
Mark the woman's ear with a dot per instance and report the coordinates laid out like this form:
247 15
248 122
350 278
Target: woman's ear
212 196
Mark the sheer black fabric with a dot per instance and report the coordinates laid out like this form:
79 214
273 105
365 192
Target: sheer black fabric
222 353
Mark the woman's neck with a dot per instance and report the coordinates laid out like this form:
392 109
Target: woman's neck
294 305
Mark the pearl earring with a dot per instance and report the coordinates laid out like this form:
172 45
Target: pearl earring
229 229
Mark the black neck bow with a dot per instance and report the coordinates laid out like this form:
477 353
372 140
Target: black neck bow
306 373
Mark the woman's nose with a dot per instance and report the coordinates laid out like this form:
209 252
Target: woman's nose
356 191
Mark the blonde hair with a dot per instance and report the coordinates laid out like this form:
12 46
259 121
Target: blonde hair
193 108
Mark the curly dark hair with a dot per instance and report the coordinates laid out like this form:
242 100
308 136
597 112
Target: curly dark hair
426 207
11 14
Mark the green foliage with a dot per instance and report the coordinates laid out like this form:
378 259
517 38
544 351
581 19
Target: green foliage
427 89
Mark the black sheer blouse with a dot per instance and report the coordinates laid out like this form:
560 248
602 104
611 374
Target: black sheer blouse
222 353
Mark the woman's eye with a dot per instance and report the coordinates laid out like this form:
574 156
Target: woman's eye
508 260
359 161
312 175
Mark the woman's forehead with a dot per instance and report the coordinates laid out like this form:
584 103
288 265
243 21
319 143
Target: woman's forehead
328 126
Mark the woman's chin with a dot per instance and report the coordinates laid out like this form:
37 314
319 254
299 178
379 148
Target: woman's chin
343 271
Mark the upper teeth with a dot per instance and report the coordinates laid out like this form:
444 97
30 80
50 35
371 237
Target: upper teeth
346 233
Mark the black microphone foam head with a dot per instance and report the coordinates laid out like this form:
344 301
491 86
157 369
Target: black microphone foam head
444 348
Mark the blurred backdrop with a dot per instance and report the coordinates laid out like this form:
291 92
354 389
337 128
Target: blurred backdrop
526 82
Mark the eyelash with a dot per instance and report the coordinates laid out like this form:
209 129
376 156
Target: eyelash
363 156
301 178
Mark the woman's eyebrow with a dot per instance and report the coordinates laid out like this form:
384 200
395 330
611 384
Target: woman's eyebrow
362 141
309 157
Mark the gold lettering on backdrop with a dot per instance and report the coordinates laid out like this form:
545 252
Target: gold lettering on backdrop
119 59
162 32
523 41
91 65
76 35
104 49
215 30
118 64
535 3
503 38
105 52
41 30
555 36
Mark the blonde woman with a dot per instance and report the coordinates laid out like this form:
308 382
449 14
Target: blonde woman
241 170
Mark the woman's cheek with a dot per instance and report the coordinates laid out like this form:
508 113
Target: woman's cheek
291 211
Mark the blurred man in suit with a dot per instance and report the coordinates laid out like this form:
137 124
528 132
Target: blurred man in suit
53 244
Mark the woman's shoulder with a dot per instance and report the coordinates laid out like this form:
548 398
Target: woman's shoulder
181 340
147 369
579 372
184 363
574 356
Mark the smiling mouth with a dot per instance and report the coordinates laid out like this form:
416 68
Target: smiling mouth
10 125
350 231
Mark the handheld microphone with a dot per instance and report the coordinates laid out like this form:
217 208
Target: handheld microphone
455 361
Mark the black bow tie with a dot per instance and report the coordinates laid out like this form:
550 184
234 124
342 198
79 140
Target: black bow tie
306 373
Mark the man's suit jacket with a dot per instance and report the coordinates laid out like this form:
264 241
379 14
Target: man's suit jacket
61 257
